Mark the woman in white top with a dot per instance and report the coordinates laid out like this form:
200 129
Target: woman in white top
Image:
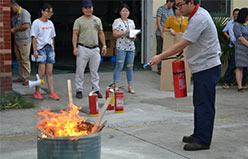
125 47
43 34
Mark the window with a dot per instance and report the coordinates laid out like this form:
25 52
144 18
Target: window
217 7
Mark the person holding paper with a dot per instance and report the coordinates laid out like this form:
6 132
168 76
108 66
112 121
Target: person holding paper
133 33
124 46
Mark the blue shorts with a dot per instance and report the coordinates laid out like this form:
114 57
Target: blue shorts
47 55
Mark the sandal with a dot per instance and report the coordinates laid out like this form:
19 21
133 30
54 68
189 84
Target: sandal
225 86
240 89
245 87
131 90
17 80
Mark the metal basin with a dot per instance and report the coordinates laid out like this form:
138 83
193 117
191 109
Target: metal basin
86 147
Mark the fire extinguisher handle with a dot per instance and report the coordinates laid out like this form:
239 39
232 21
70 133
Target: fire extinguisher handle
179 56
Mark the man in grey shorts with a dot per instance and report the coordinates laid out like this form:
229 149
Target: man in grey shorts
21 22
203 57
86 31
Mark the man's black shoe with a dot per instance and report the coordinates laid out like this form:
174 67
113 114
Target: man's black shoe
98 94
188 139
159 72
195 147
79 95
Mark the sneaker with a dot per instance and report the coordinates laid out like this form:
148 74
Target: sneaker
245 86
225 86
54 96
25 82
37 95
99 94
131 90
79 95
17 80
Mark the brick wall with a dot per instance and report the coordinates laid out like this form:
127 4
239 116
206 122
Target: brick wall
5 48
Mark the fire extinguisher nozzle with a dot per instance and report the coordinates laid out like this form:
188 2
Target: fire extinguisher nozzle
146 66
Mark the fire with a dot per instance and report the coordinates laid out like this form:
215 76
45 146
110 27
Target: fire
65 123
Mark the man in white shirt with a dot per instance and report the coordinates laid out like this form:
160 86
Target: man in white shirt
203 57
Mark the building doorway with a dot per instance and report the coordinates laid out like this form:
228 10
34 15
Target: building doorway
65 13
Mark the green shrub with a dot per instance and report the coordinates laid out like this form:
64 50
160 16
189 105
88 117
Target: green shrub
13 100
220 23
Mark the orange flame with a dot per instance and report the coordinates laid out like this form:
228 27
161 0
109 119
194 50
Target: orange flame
65 123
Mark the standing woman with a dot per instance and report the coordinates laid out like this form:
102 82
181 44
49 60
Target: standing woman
240 30
124 46
43 34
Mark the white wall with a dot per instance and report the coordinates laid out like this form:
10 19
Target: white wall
156 4
239 4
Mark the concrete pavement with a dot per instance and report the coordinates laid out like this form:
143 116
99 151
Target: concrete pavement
151 127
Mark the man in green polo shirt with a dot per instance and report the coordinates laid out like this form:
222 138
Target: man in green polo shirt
87 30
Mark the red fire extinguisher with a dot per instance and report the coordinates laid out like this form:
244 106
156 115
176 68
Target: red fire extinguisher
180 87
111 105
93 104
119 101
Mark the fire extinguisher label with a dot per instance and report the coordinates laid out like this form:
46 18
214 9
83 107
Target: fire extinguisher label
112 102
119 102
97 106
182 83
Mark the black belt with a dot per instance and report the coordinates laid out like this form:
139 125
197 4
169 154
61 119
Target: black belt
89 47
47 45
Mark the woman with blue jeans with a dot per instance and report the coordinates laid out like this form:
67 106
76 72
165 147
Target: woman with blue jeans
43 34
125 46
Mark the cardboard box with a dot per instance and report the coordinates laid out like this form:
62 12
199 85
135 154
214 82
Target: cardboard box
166 78
110 42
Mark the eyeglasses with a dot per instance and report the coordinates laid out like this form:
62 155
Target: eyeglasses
49 12
179 5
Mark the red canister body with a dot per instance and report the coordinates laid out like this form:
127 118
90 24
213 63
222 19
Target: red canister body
179 79
111 105
93 104
119 101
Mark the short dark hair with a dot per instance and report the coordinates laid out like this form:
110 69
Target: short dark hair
194 1
243 13
170 1
13 2
46 6
123 5
235 10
